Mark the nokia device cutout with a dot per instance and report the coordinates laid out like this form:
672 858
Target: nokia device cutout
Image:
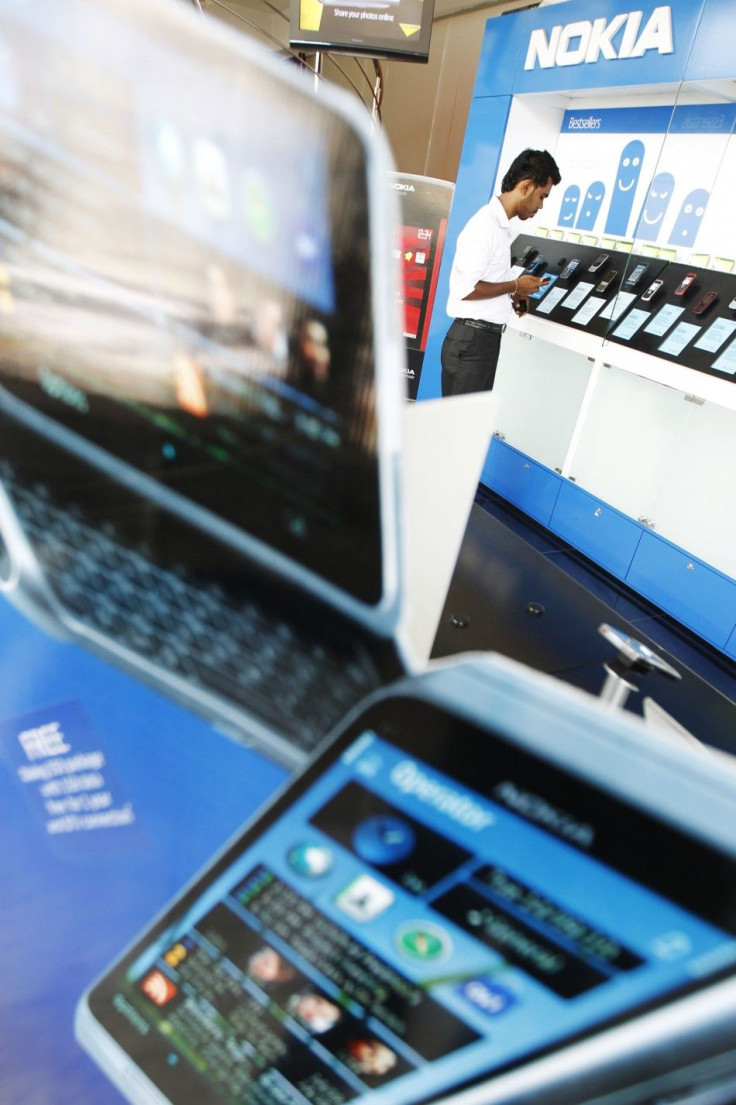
486 889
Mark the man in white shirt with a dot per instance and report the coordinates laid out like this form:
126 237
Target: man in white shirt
482 290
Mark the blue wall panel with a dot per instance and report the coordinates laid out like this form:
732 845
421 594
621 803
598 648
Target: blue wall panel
696 594
596 529
522 481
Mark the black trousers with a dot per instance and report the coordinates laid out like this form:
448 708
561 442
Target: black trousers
469 357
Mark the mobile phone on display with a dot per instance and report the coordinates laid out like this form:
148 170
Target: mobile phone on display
570 268
598 263
636 275
705 302
607 280
485 889
537 267
528 254
687 281
652 290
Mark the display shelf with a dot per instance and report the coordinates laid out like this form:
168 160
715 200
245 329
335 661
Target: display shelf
595 348
628 400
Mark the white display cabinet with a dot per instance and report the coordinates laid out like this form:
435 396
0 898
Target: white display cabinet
618 437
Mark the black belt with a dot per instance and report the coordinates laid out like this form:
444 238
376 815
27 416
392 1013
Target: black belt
481 324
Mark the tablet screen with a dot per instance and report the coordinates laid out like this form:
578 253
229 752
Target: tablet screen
185 264
399 926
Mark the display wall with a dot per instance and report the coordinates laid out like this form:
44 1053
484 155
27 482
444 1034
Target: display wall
615 418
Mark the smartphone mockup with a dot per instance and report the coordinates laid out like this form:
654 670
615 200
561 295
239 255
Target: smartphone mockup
607 280
687 282
485 890
652 290
598 263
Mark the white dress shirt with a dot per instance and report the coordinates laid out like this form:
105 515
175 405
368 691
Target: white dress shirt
483 252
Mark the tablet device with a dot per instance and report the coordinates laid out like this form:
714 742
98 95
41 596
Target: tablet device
487 889
202 366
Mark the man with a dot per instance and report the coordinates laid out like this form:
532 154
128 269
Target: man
482 291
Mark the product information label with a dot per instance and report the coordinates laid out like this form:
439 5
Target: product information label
551 300
727 360
578 294
633 321
616 307
589 310
715 335
681 336
663 319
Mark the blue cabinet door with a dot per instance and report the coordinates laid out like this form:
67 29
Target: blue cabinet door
596 529
521 480
687 588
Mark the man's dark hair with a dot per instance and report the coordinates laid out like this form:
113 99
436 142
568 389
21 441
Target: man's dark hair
535 165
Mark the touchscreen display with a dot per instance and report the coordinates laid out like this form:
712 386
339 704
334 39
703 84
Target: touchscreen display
398 927
185 265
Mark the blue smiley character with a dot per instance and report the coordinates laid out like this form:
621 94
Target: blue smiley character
569 207
624 190
688 221
655 207
591 205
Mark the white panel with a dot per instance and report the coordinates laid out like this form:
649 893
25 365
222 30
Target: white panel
540 387
628 441
696 507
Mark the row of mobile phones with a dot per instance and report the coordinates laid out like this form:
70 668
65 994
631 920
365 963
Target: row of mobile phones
635 278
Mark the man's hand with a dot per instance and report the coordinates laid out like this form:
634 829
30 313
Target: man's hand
526 284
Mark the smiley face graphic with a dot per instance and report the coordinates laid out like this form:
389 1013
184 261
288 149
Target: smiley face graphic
569 207
688 221
591 205
655 207
624 190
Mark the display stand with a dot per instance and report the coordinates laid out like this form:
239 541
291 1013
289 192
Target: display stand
445 444
617 422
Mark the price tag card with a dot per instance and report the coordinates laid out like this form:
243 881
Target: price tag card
681 336
663 319
715 335
589 310
633 321
577 295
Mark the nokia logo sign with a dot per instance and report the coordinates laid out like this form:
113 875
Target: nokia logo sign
584 42
402 187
